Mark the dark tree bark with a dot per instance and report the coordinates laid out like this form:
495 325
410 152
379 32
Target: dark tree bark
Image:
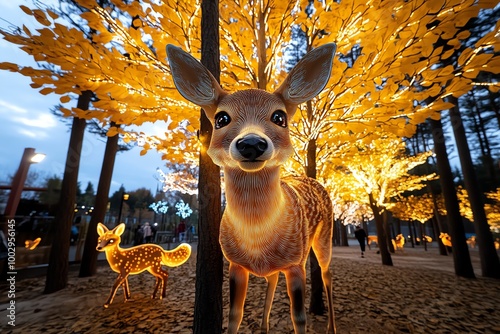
88 267
461 256
490 264
57 272
316 304
345 241
378 214
209 264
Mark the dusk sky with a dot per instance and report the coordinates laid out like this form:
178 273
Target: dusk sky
26 121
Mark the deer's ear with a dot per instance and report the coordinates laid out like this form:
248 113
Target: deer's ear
119 229
193 80
101 229
308 78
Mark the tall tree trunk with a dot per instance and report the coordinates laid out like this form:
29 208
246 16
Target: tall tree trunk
57 272
385 217
316 304
261 48
487 158
345 241
209 264
461 256
412 235
88 267
490 264
381 234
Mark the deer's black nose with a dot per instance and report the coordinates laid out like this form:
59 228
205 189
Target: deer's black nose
251 147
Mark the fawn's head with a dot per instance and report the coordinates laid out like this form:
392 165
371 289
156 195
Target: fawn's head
251 126
108 238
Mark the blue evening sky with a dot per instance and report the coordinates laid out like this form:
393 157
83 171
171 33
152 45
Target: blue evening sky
26 121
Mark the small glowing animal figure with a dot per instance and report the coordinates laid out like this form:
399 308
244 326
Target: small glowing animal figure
31 244
445 239
427 239
497 243
134 260
372 238
399 242
471 242
270 223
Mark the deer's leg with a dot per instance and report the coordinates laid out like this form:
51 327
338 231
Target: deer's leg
323 249
126 289
164 284
272 281
158 281
119 281
296 286
238 284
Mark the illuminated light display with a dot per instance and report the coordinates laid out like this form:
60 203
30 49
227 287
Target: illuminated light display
134 260
399 242
445 239
31 244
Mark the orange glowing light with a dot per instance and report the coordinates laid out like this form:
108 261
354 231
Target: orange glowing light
31 244
134 260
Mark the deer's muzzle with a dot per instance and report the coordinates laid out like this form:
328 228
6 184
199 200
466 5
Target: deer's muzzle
251 147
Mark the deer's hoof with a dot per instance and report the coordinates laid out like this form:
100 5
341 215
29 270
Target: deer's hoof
106 305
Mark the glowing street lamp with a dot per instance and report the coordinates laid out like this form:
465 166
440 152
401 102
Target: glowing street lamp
29 157
124 197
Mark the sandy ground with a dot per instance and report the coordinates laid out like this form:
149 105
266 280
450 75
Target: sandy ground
419 294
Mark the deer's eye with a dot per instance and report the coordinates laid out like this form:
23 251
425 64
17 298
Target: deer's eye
222 119
279 118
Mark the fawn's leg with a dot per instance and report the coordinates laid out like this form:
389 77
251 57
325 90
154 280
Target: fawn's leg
296 286
323 249
272 281
238 284
126 289
158 281
164 277
119 281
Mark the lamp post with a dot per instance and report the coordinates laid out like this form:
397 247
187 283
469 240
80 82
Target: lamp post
29 157
124 197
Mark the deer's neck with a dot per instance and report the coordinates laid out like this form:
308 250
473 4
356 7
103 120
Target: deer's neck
254 198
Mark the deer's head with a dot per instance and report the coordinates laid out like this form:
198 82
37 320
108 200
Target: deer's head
108 238
250 127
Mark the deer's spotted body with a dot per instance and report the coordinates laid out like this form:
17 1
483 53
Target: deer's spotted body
134 260
269 223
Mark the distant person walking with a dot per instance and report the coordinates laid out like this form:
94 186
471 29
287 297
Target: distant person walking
361 235
148 233
181 229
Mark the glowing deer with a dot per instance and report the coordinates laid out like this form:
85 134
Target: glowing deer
445 239
134 260
399 242
270 223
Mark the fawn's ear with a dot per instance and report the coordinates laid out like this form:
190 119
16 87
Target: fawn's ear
101 229
308 78
193 80
119 229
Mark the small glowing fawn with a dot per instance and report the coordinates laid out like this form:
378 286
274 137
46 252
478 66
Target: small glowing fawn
270 223
445 239
134 260
399 242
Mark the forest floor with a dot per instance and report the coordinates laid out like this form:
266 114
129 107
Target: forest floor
419 294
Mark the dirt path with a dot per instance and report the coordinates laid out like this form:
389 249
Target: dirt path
419 294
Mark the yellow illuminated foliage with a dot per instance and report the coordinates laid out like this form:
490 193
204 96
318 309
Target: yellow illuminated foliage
382 168
381 90
491 209
395 67
419 208
134 260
